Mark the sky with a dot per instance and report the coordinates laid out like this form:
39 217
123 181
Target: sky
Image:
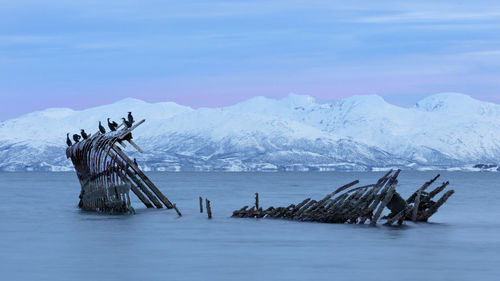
80 54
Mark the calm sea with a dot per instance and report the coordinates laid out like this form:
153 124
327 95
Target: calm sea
44 236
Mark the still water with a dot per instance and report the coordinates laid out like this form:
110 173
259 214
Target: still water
44 236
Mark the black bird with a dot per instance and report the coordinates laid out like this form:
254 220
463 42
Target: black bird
68 141
135 162
84 135
130 118
127 137
101 128
127 123
112 125
76 138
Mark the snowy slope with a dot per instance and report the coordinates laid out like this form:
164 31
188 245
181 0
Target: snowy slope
294 133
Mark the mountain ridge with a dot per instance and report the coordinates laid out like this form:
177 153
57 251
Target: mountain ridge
297 132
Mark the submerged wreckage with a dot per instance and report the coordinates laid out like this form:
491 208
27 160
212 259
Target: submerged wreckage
107 174
349 204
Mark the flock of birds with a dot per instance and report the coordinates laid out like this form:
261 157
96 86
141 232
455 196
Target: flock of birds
112 125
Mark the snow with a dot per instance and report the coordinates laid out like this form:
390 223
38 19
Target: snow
442 131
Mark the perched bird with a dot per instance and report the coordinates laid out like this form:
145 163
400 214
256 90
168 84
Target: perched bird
76 138
130 118
112 125
68 141
127 137
127 123
84 135
101 128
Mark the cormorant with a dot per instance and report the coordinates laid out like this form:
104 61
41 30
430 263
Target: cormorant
135 162
84 135
112 125
127 124
127 137
130 118
101 128
68 141
76 138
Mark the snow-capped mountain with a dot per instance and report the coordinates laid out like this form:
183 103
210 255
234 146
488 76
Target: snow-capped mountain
294 133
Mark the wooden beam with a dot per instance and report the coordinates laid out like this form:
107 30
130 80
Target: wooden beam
399 216
344 187
125 131
138 193
387 198
416 205
177 210
144 189
422 188
438 189
136 146
144 178
434 208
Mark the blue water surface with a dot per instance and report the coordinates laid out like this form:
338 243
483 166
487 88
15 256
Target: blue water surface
44 236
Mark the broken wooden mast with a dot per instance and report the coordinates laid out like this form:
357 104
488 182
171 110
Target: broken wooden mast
106 173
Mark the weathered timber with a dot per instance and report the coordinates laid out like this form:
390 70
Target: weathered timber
385 201
422 188
425 207
298 206
209 208
433 209
397 204
144 178
438 189
141 196
177 210
399 216
201 205
256 200
144 189
350 204
106 174
344 187
414 213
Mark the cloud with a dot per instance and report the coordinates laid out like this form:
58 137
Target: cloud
430 16
27 39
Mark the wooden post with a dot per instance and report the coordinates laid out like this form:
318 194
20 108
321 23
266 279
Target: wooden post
256 200
177 210
201 205
209 209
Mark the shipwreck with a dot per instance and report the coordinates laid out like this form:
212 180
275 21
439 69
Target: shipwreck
107 174
351 204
